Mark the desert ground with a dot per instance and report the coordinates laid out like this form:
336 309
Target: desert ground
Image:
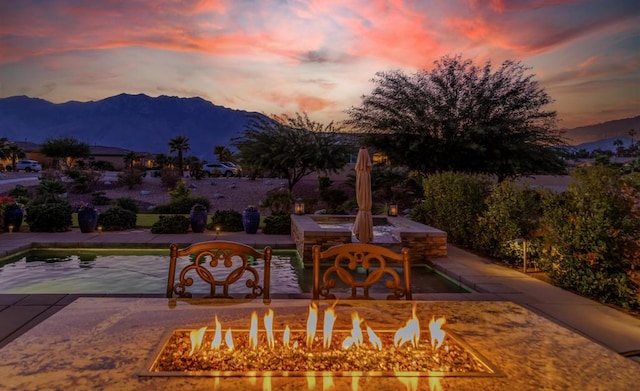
224 193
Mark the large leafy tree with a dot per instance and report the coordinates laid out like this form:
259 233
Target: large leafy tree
67 149
181 145
292 147
462 117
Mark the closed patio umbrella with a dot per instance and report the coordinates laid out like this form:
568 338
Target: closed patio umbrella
363 226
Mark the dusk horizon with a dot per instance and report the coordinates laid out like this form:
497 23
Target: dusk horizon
317 57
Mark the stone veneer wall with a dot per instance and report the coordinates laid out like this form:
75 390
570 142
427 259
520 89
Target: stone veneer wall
423 241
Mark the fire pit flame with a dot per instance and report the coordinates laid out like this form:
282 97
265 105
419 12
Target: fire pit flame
196 339
437 334
376 342
329 320
254 351
253 331
356 337
228 339
217 337
268 326
312 322
286 337
410 332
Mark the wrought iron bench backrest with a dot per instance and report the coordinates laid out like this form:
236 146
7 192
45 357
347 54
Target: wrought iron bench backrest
219 264
346 258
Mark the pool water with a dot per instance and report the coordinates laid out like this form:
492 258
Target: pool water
144 271
382 233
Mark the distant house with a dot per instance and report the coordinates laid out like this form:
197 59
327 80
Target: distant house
113 155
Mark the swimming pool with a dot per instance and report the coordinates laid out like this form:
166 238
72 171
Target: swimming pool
144 271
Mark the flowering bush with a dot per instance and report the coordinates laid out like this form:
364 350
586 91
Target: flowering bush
9 203
84 206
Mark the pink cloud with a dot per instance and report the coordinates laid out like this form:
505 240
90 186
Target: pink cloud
300 102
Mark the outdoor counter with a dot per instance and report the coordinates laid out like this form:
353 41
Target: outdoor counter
106 343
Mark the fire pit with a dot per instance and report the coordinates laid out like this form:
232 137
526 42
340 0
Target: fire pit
267 351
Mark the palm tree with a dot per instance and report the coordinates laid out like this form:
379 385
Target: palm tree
161 160
130 158
619 144
14 153
179 144
223 153
632 134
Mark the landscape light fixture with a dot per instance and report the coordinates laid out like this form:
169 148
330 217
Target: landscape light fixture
298 207
393 210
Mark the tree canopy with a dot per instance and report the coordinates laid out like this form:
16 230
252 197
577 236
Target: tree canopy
292 147
67 149
462 117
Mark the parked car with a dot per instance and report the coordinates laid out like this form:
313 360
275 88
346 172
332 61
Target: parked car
220 169
233 165
28 166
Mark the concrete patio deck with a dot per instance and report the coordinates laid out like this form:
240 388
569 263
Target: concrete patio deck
602 324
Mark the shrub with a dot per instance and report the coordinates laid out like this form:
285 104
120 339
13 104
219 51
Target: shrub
170 177
52 216
512 211
117 219
593 235
84 181
182 205
18 191
324 182
50 174
334 198
180 191
176 224
49 190
278 224
102 165
127 203
453 202
226 220
278 201
130 177
99 198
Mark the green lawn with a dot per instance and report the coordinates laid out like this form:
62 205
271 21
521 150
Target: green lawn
144 220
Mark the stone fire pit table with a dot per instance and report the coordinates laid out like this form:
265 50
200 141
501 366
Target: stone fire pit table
107 343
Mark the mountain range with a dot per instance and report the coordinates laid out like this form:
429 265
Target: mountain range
146 124
135 122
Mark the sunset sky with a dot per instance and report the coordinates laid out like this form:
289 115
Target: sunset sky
279 56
